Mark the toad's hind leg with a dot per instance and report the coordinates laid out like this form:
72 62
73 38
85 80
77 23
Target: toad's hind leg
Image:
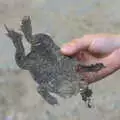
20 57
46 95
16 38
27 28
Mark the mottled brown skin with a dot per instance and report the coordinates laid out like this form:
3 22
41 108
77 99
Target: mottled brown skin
51 70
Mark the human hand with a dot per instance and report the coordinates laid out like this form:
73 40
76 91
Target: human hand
98 48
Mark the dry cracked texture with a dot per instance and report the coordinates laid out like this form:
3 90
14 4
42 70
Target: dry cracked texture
52 71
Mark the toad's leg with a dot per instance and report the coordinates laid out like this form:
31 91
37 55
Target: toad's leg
27 28
42 90
20 57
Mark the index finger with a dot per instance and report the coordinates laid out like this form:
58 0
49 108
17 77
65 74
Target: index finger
76 45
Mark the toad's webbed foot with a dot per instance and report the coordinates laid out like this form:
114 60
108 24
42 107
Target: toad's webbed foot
46 95
27 28
15 37
86 96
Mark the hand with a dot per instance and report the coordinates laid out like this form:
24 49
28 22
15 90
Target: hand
98 48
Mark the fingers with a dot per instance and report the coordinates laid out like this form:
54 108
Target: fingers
97 43
99 49
112 63
86 58
76 45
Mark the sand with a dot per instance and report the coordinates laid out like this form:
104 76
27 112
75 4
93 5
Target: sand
64 20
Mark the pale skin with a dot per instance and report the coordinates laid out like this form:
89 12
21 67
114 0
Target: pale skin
103 48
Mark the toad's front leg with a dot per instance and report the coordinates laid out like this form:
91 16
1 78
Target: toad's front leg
26 28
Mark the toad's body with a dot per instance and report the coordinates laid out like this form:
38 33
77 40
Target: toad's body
52 71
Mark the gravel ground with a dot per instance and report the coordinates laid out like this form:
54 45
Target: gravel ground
64 20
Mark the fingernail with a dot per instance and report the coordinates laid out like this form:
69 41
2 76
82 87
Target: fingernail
67 48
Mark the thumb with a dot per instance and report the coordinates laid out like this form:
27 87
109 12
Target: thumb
112 64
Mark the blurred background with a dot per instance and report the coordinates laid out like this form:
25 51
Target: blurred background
64 20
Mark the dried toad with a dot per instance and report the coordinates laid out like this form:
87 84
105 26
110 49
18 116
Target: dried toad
51 70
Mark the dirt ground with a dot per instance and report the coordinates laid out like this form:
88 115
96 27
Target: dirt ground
64 20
